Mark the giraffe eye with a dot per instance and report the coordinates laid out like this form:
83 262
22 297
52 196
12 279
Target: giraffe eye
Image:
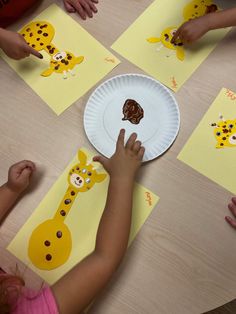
84 171
218 133
231 126
232 139
87 180
77 168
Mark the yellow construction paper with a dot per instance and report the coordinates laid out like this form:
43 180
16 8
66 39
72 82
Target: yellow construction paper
211 149
147 42
86 60
81 218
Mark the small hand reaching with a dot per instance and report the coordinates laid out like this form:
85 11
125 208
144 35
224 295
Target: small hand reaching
83 7
232 207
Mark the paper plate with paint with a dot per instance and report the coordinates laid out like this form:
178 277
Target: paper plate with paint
138 104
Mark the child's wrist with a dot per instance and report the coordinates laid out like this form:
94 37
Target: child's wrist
11 190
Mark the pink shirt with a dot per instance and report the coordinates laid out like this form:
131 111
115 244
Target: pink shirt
32 302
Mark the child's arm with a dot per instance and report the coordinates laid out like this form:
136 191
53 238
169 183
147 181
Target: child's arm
15 46
80 286
18 180
196 28
232 207
83 7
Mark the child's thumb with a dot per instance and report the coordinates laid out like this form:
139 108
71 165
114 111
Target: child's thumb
101 159
25 174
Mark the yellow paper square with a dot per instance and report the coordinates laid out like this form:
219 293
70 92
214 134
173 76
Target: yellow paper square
57 92
82 220
200 152
163 64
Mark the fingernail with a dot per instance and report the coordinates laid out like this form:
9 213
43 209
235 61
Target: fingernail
41 56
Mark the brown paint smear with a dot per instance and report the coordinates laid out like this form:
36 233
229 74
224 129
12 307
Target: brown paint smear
132 111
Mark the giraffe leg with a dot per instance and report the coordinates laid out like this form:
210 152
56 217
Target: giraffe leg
71 72
64 75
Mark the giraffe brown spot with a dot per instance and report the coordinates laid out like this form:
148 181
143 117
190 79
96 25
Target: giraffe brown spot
23 35
45 34
89 173
195 6
39 32
69 57
225 131
59 234
33 45
47 243
31 34
221 144
224 138
38 39
49 46
62 212
48 257
63 61
37 24
67 201
41 44
57 67
66 62
72 193
224 126
28 29
52 50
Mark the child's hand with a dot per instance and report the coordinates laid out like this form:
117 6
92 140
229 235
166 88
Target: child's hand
19 176
83 7
192 30
15 46
232 208
126 160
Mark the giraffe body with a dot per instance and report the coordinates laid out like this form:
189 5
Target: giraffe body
225 133
39 35
50 243
193 9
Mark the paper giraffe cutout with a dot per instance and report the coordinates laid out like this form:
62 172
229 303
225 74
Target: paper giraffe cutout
225 132
165 40
192 10
50 243
39 35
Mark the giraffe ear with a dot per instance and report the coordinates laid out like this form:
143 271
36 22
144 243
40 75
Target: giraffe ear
153 40
47 72
180 54
100 177
82 157
79 60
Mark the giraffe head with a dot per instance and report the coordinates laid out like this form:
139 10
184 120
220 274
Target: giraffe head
165 39
62 62
225 133
197 8
83 176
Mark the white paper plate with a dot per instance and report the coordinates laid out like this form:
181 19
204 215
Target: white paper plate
104 112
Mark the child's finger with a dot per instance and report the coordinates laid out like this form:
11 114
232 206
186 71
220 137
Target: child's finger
137 146
234 200
34 52
101 159
95 1
23 164
25 174
79 9
231 221
232 208
120 139
131 140
87 8
69 7
93 7
176 35
141 153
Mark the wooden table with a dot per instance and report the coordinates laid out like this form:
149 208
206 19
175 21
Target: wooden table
184 258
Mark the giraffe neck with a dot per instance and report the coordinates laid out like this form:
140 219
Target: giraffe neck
51 49
66 204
